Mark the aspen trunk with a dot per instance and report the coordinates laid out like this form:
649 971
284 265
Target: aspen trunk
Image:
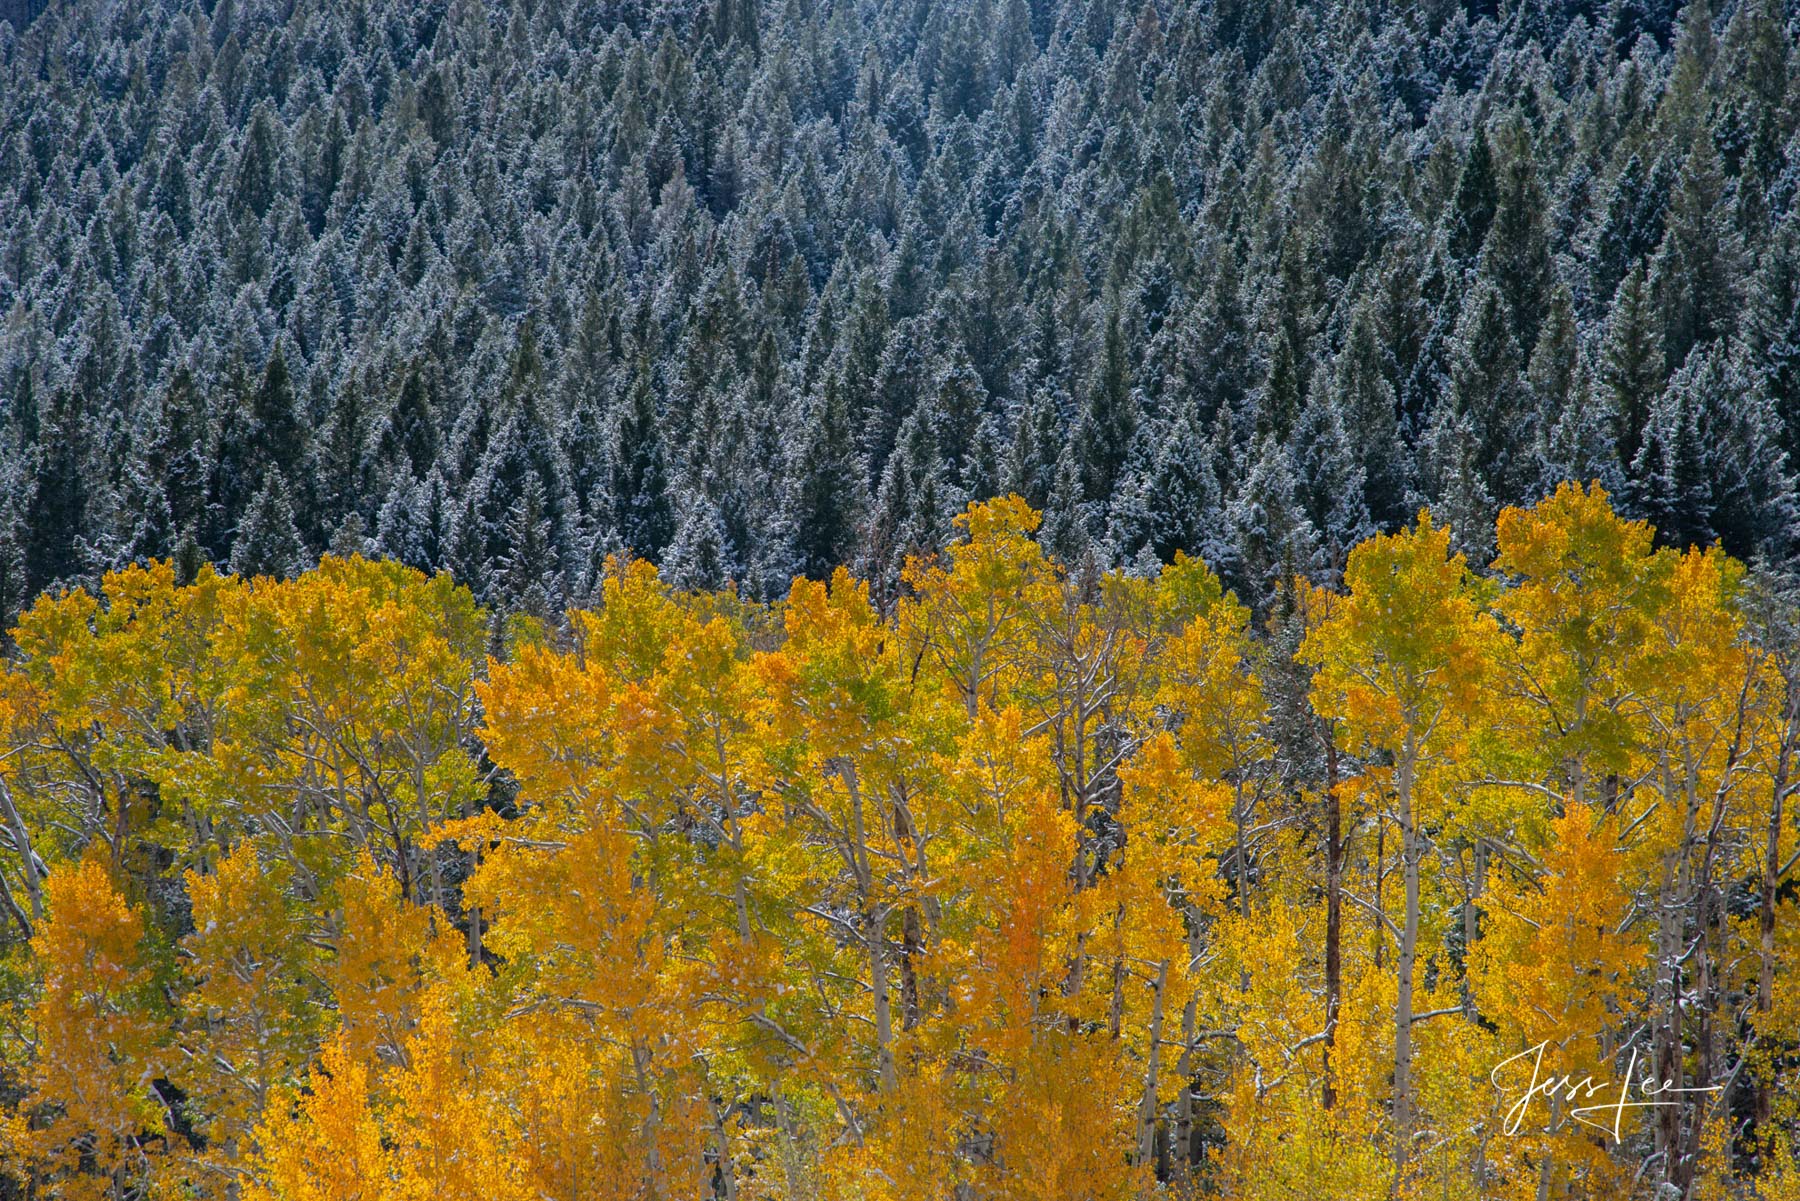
15 825
1765 976
878 980
1408 953
1152 1061
1334 915
1184 1106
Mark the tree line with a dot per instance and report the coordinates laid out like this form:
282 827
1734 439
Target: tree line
754 290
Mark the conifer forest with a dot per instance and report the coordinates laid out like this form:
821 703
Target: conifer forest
900 600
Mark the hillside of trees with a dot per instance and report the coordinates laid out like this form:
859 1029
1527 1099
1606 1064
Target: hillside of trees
755 289
795 599
1051 885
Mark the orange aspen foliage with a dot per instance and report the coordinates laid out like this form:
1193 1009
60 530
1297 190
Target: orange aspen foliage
1050 883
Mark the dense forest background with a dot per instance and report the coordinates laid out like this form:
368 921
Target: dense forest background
752 289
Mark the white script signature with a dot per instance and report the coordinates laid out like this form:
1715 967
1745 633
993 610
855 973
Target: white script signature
1653 1093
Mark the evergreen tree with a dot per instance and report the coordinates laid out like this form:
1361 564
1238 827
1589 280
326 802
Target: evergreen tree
1715 468
1695 276
1516 253
339 458
1670 484
1487 392
56 509
912 512
15 578
1064 531
401 270
1272 538
526 572
407 441
398 532
258 163
1037 446
1329 481
829 492
700 559
1365 402
1460 495
1774 333
1632 224
1631 365
1216 346
585 446
1555 359
267 542
1278 401
1477 197
640 488
1579 446
466 548
1109 416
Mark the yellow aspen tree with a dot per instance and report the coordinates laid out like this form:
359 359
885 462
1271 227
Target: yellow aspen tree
321 1140
1558 819
971 618
840 686
1402 664
381 954
97 1045
252 1013
1709 699
591 893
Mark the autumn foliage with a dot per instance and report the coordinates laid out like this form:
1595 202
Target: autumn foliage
1047 884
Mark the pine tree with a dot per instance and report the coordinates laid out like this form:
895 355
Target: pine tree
339 457
1631 365
1461 497
984 467
407 441
258 161
1272 537
1064 532
1550 376
397 526
700 559
1109 416
1633 223
1670 484
1516 253
1579 446
1037 446
829 493
1216 345
1369 412
1487 391
1477 197
1696 274
55 513
465 550
586 447
267 542
640 487
527 575
1774 332
1329 482
1278 401
15 579
912 512
1185 497
1748 498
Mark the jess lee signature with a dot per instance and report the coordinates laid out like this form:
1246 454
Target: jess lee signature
1653 1093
